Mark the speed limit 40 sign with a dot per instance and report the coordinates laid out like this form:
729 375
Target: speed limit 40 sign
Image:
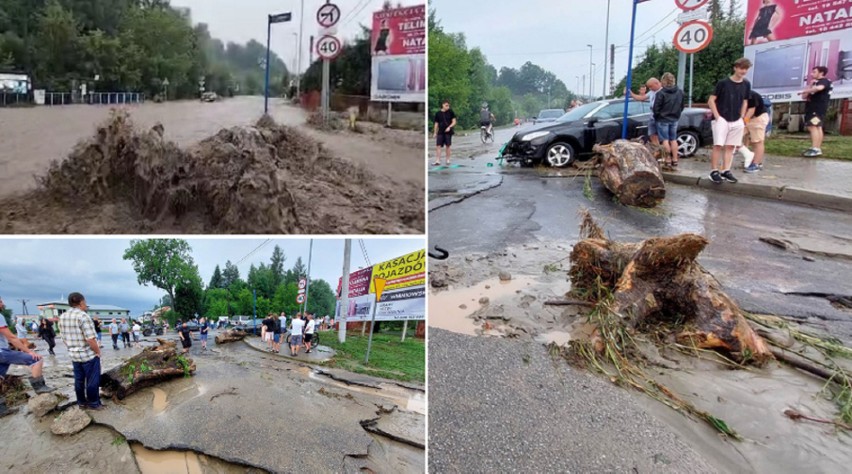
328 47
693 36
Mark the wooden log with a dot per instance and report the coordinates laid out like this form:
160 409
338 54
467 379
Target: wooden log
150 367
230 335
630 171
660 281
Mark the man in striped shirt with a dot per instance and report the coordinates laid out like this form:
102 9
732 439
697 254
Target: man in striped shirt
78 332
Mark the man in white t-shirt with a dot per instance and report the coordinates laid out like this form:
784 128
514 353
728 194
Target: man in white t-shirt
309 333
297 327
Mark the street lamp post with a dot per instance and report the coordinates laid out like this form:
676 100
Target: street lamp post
591 83
606 43
592 78
578 86
299 60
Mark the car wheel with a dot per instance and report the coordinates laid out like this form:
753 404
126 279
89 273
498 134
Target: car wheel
559 155
687 143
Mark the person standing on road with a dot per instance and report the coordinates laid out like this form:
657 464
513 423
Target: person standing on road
728 103
757 120
276 334
297 327
267 331
125 333
667 108
202 333
648 92
137 332
818 96
185 336
114 332
445 121
21 331
46 332
26 357
97 323
310 327
78 332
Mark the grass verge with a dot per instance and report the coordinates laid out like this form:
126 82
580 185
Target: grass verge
389 358
793 144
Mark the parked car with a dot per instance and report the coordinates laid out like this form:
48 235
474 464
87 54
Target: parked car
209 97
572 135
548 115
251 326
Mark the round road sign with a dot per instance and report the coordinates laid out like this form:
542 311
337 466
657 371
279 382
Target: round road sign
687 5
328 47
693 36
303 283
300 299
328 15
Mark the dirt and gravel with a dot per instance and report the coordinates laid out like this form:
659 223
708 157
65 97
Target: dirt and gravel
245 179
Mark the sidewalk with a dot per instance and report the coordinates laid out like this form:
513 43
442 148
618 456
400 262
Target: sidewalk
815 182
318 354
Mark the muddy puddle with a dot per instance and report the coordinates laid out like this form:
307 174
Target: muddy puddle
183 462
160 400
404 398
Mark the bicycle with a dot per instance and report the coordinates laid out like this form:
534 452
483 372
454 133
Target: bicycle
485 135
315 341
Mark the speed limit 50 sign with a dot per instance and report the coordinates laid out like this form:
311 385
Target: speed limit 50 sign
693 36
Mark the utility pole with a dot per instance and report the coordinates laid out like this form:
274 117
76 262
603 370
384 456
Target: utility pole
580 92
24 303
299 60
612 69
344 291
584 83
308 279
591 65
606 41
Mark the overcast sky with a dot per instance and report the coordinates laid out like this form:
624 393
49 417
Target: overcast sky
554 34
241 21
47 269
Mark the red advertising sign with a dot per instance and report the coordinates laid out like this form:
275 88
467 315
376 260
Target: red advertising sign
773 20
399 31
359 283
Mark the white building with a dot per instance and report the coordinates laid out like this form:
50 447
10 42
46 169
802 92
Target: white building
53 309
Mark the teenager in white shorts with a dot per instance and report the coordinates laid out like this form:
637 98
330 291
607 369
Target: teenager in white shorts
729 103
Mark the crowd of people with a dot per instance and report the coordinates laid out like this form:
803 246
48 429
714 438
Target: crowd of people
741 118
301 331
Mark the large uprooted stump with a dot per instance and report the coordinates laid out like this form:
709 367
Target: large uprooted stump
631 172
150 367
659 281
231 335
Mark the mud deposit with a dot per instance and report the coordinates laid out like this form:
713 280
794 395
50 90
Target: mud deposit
752 401
249 180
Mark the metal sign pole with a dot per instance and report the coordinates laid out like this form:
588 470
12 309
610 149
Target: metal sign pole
344 292
629 71
326 72
372 322
308 279
691 71
266 88
299 60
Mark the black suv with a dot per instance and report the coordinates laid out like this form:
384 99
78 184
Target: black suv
573 135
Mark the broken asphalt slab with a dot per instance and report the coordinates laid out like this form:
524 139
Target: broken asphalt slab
318 355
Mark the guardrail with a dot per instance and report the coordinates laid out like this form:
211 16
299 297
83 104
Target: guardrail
114 98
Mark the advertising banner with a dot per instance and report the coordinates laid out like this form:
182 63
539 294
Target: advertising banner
404 296
786 39
398 46
14 83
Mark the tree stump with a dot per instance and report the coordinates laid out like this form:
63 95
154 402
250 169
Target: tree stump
230 335
630 171
659 281
150 367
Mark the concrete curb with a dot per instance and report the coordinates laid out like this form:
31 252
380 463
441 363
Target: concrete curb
790 194
295 359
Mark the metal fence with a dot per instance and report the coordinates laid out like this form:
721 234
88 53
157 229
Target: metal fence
111 98
69 98
8 99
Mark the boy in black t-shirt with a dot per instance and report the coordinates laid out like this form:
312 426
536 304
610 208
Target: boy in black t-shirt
445 121
729 103
817 95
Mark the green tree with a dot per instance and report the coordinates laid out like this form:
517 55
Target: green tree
230 275
216 302
276 266
321 299
216 281
163 263
189 294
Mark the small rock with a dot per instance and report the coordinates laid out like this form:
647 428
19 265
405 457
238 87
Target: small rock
484 300
487 287
70 422
808 259
505 276
43 404
462 306
438 280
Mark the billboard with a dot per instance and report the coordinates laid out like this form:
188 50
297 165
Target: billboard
404 297
398 46
14 83
786 39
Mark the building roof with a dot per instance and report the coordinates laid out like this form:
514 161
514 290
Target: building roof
92 307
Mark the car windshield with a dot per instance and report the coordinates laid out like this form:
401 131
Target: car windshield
552 113
579 112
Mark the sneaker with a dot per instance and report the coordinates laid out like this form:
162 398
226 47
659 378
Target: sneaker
753 168
716 177
813 152
729 177
748 156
